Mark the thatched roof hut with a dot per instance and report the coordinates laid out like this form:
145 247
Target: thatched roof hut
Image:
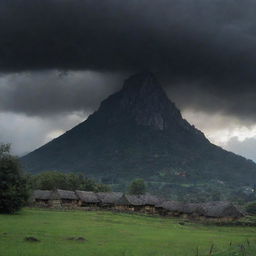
60 194
210 210
221 209
140 203
41 195
87 197
109 198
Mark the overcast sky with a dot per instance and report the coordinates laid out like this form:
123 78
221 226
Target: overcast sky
60 58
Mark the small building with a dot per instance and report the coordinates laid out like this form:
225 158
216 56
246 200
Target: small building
41 197
170 208
129 203
138 203
108 199
87 198
221 211
63 198
150 202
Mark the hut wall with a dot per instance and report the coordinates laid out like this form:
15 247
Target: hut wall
107 206
216 220
122 208
222 219
86 204
80 203
174 213
69 203
192 215
137 208
160 211
149 209
55 203
228 219
202 218
163 212
44 201
41 203
133 208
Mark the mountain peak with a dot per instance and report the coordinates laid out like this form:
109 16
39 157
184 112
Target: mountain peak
139 132
142 82
143 96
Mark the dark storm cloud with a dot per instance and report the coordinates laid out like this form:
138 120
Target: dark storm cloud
204 50
49 93
180 36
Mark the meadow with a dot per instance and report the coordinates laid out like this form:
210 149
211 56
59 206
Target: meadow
115 234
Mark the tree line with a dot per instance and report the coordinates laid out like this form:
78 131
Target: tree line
51 180
16 186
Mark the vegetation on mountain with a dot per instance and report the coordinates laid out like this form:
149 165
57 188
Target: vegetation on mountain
52 180
251 208
13 186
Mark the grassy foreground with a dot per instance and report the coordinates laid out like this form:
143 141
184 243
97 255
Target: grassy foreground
110 234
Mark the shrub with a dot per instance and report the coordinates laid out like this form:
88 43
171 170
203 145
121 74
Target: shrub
51 180
137 187
13 187
251 208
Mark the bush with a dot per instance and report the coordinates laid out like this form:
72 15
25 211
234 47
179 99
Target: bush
13 187
51 180
137 187
251 208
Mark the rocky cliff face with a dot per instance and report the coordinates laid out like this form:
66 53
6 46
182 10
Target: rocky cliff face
144 100
148 103
139 132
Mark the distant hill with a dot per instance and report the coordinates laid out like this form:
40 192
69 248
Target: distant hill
138 132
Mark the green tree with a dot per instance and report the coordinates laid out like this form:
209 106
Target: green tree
13 186
102 188
49 180
70 181
137 187
251 208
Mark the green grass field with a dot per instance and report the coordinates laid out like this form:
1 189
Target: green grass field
112 234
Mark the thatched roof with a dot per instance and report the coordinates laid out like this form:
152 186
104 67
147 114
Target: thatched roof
193 208
149 199
138 200
109 197
130 200
63 194
41 194
173 206
87 196
221 209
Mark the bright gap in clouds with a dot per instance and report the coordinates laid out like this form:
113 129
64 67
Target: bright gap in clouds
228 132
25 133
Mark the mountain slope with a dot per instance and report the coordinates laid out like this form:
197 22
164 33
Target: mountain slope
138 132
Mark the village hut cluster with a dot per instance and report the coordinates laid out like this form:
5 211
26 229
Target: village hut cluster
147 203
